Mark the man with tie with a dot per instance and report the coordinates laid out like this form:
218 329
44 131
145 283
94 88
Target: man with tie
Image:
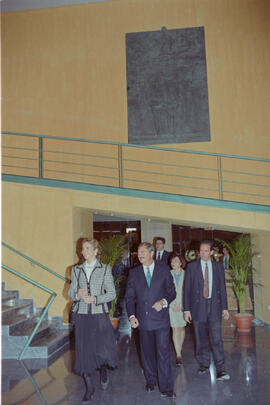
205 303
161 255
151 286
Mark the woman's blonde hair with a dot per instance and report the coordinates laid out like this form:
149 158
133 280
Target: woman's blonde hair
93 242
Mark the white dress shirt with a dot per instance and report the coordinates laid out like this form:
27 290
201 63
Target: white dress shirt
151 268
210 274
159 252
88 268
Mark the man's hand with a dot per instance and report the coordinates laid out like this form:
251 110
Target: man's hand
158 305
81 293
134 322
89 299
225 314
176 308
187 316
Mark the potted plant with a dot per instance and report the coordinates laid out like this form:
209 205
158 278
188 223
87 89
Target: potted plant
241 254
111 250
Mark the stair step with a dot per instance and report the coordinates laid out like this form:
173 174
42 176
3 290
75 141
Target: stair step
17 327
44 346
19 319
52 341
10 298
9 313
25 329
15 321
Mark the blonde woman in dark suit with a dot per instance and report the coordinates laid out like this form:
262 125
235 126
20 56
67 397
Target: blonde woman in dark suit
177 320
92 285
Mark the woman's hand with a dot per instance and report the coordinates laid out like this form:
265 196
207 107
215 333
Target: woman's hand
187 316
81 293
89 299
176 308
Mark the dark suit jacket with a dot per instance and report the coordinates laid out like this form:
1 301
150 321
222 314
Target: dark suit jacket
162 286
165 257
193 291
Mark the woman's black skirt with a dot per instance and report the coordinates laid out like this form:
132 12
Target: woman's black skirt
94 343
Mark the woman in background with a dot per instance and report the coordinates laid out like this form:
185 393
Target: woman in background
92 285
176 307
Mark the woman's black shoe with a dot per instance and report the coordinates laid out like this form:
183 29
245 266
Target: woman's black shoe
88 396
89 388
104 378
104 384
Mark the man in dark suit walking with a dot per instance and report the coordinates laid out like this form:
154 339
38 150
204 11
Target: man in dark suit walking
151 285
161 255
205 303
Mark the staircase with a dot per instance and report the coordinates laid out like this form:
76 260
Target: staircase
19 318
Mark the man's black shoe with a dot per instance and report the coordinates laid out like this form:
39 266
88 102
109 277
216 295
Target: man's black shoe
168 394
150 387
222 375
202 370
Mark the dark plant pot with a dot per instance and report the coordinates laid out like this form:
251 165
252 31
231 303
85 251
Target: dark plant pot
243 322
114 322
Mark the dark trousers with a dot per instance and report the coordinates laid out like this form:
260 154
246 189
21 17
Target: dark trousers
155 355
211 329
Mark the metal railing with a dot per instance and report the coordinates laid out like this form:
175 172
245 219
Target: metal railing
53 293
12 249
167 170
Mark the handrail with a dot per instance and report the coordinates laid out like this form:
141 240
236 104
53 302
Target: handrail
232 178
43 313
35 385
35 262
130 145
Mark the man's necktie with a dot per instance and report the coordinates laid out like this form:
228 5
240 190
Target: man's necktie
148 277
206 282
159 258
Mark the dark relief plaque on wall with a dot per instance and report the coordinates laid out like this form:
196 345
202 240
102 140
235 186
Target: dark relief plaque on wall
167 86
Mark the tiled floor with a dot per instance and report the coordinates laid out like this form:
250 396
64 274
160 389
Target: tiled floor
248 362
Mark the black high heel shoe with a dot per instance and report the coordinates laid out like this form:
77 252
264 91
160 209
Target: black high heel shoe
104 378
89 389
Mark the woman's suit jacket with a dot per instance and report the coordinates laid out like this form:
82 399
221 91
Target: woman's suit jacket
101 285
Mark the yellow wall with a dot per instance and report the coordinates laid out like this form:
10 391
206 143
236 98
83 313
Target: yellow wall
64 68
261 276
82 220
44 222
64 74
